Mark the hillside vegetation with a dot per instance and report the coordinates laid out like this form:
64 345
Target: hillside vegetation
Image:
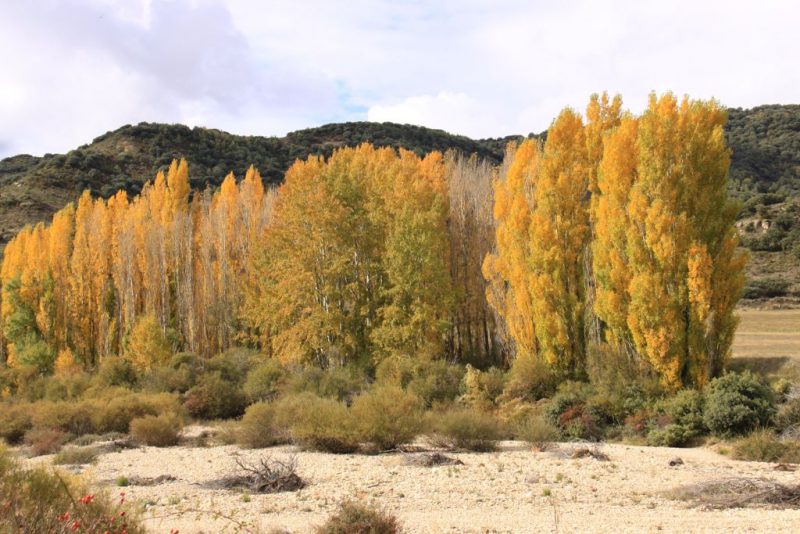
765 173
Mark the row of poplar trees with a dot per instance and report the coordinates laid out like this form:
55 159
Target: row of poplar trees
617 230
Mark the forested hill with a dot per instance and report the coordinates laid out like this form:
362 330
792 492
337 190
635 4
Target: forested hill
765 169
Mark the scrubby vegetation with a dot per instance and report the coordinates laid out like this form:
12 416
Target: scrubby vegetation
360 518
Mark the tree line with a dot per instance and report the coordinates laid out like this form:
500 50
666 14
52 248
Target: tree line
616 231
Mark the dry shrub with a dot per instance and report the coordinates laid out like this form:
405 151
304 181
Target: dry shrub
537 431
465 428
15 421
45 440
318 424
729 493
259 427
763 446
266 476
432 459
116 414
359 518
387 416
77 455
587 452
73 417
157 430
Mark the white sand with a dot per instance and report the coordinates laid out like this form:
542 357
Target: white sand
503 491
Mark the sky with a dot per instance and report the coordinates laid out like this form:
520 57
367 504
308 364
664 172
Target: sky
71 70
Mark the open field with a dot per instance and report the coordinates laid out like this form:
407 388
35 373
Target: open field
769 341
512 490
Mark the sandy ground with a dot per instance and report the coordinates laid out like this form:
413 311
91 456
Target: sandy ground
513 490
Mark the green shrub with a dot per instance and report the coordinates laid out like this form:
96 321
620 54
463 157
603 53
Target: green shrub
38 501
569 412
116 371
763 446
436 381
15 420
215 398
179 376
482 388
359 518
537 431
232 365
319 423
672 435
465 428
686 409
258 428
157 430
340 383
387 416
737 404
45 440
263 381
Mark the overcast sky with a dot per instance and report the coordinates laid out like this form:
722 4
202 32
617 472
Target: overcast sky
72 69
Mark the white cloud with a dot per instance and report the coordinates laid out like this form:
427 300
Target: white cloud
73 69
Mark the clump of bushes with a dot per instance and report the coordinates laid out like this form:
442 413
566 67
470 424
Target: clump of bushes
359 518
157 430
387 416
76 455
15 421
465 428
537 431
737 404
569 412
263 381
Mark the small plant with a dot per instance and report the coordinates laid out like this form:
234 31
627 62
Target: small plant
671 435
737 404
359 518
157 430
465 428
122 481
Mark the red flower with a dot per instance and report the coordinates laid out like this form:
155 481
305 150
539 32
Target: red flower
64 517
86 499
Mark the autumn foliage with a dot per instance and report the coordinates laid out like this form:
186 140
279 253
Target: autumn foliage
615 231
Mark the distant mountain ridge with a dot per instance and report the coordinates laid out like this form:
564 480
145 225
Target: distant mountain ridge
765 168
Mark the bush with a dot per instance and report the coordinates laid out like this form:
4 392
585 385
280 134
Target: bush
232 365
179 376
157 430
320 424
263 381
387 416
258 428
568 411
788 414
482 388
672 435
215 398
530 379
358 518
431 380
15 420
117 414
686 409
45 440
339 383
37 501
737 404
537 431
76 456
116 371
763 446
72 417
465 428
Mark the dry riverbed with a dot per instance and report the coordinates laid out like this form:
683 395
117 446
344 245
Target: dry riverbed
513 490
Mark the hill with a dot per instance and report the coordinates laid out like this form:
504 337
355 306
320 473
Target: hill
765 173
